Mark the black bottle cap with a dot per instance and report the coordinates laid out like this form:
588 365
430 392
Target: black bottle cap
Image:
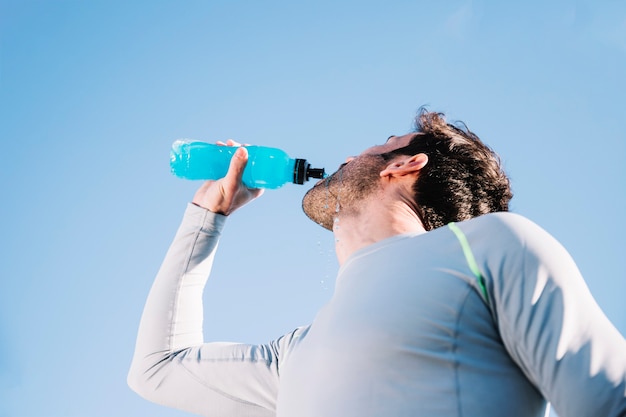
315 173
302 172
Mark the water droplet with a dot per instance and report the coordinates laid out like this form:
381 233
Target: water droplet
326 251
326 183
338 202
336 224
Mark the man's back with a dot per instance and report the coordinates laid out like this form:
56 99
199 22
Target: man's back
410 332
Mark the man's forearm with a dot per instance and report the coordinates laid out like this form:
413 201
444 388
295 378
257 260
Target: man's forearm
172 317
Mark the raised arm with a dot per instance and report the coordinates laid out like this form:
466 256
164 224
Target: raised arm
172 365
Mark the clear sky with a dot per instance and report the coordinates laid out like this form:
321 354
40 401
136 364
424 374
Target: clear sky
93 93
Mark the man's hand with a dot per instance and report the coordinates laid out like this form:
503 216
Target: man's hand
227 194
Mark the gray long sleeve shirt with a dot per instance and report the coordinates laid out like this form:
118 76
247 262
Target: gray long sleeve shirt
419 325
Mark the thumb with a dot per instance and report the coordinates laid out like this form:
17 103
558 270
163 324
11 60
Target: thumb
237 165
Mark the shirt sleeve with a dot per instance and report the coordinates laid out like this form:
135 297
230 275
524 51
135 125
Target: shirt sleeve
172 365
550 323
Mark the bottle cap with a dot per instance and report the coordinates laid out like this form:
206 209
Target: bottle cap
303 171
315 173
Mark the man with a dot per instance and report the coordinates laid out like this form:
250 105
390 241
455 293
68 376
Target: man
445 304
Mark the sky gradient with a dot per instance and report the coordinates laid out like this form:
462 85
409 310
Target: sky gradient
93 93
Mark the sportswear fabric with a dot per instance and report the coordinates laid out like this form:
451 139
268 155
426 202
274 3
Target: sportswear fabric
409 331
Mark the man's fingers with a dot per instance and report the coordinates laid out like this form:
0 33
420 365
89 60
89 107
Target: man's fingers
237 165
229 142
229 193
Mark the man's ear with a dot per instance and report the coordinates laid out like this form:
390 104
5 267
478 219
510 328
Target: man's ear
407 165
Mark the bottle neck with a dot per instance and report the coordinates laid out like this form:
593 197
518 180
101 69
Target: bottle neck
302 171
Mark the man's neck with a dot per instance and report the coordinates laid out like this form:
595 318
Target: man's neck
376 220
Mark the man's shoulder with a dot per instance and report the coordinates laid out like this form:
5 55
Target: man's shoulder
505 226
511 238
502 218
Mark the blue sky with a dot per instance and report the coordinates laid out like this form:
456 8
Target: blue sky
93 93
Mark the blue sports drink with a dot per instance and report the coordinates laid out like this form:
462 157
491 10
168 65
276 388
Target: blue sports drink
266 168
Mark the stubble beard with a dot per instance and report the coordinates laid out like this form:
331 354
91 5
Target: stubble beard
343 192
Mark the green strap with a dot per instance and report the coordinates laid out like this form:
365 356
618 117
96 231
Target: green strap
469 257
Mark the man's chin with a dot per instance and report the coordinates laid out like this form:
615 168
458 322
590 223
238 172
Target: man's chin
317 210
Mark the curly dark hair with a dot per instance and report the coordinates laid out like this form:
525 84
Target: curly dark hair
463 177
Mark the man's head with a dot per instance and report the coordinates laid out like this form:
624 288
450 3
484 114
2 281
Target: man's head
458 177
463 177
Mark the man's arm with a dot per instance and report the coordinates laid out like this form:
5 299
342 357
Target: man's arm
171 365
552 326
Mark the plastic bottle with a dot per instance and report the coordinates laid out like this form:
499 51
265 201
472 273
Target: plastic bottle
266 168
